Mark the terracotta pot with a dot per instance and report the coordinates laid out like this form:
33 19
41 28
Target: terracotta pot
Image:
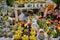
40 17
30 23
22 22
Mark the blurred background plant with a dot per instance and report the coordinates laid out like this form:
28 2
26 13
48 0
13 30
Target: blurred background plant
57 2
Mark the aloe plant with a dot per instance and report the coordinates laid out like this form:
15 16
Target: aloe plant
55 35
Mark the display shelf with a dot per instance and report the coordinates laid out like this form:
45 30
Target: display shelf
6 38
26 8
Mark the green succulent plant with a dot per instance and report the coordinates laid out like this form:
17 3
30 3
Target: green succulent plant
55 35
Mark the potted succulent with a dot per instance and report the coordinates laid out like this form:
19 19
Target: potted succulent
25 37
40 23
54 33
32 37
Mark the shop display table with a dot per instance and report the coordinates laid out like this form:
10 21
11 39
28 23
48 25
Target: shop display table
2 38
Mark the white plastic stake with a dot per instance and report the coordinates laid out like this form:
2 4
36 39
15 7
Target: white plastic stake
16 14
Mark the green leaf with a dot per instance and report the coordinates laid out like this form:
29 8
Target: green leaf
1 0
56 1
10 2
